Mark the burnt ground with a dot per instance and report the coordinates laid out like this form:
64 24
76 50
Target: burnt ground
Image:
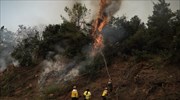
17 83
135 81
131 81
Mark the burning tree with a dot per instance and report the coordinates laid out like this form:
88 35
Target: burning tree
107 9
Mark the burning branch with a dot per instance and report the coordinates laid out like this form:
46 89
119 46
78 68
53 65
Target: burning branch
107 9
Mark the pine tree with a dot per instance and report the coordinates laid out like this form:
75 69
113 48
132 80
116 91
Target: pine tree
159 26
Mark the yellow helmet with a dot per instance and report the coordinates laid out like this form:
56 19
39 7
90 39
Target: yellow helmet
74 87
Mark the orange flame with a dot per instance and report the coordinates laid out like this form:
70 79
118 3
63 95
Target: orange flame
98 25
99 42
101 26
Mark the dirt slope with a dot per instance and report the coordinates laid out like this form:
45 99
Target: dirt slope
135 81
19 83
131 81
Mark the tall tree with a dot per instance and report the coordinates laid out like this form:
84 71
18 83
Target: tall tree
159 25
77 13
175 47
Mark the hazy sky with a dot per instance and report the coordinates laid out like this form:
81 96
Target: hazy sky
39 12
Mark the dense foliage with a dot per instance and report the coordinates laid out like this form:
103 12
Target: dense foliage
65 39
161 37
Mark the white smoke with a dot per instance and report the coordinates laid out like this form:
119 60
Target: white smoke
112 35
9 40
60 69
113 7
25 32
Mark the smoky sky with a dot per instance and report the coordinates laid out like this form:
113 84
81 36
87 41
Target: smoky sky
38 12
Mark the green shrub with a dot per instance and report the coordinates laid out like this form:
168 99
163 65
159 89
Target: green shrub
26 51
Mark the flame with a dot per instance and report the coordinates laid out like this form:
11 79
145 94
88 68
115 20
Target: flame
101 26
106 10
99 41
98 24
102 18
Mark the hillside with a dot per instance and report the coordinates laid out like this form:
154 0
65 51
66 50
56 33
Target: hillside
19 83
140 81
141 58
131 81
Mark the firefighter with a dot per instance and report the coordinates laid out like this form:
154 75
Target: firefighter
110 86
87 94
105 94
74 93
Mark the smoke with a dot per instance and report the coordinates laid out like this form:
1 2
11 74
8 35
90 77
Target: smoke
9 40
72 2
112 35
24 32
58 70
110 7
113 7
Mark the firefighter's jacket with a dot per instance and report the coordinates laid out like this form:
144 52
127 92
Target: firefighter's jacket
74 93
87 95
105 93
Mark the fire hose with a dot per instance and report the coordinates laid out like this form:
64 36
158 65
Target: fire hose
105 64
